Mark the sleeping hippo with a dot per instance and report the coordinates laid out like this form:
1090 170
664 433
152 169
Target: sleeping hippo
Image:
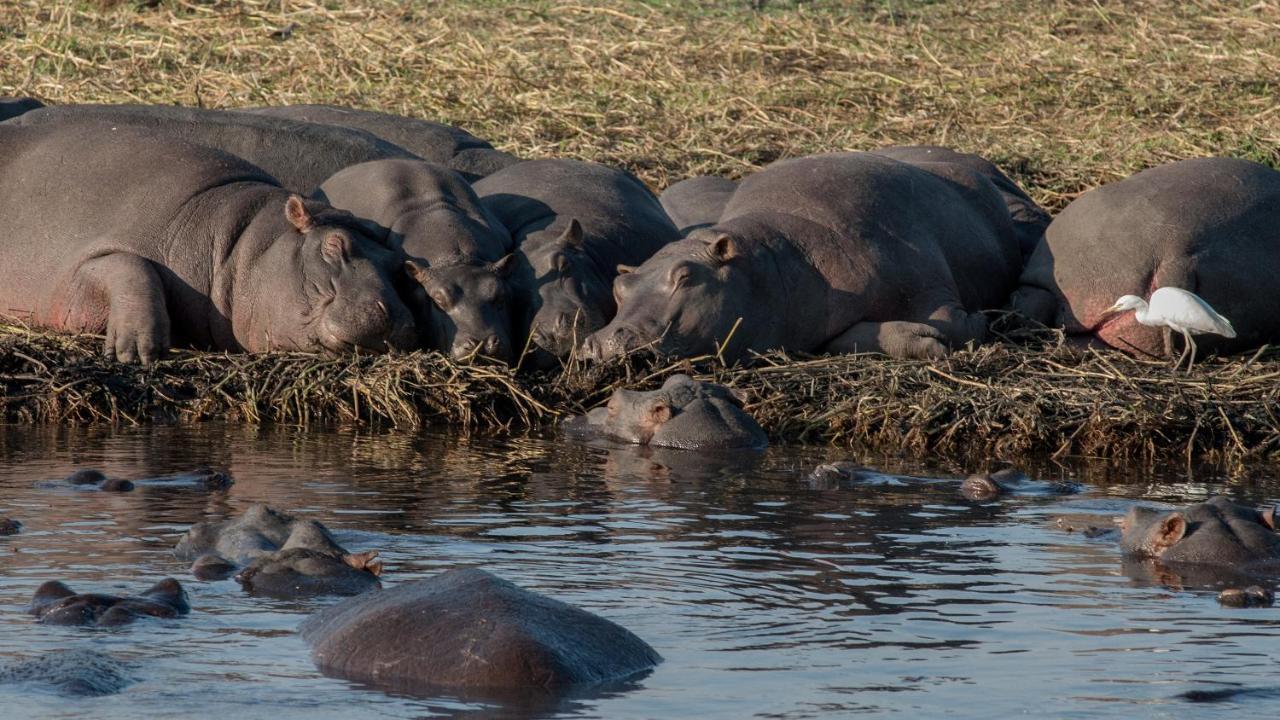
298 155
459 253
1209 225
191 246
277 556
846 252
56 604
75 673
1202 544
439 143
467 630
12 107
683 413
697 202
573 223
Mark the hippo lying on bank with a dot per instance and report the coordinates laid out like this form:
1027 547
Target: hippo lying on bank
198 479
191 246
1205 543
75 673
573 224
846 252
459 253
56 604
683 413
1209 225
298 155
436 142
281 556
12 107
697 202
469 630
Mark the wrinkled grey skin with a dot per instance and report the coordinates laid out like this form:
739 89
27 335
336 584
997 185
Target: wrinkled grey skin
846 252
683 413
697 202
458 251
1209 225
56 604
281 556
191 246
573 223
74 673
1213 542
436 142
467 629
299 155
12 107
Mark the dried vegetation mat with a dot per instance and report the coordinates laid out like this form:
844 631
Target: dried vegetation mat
1035 394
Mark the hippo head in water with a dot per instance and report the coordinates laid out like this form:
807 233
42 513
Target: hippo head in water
330 288
469 307
684 300
683 413
1217 532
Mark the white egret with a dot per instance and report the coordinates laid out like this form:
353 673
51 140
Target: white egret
1176 309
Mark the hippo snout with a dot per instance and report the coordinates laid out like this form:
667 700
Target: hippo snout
379 326
492 346
611 342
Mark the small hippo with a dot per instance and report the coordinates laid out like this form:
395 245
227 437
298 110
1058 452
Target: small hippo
576 225
697 202
436 142
844 252
1207 225
467 629
277 556
9 526
459 253
90 479
219 256
74 673
12 107
56 604
683 413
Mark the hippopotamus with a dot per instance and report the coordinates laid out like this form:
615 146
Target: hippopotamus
191 246
843 252
1203 543
684 413
458 252
56 604
447 145
573 223
299 155
89 478
977 487
845 473
9 526
1209 225
76 673
277 556
12 107
468 630
697 202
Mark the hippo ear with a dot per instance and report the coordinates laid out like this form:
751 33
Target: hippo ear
297 214
336 248
367 561
1170 530
1268 517
572 235
659 412
502 268
721 247
626 269
414 270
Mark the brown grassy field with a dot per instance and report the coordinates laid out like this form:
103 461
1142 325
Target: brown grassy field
1063 95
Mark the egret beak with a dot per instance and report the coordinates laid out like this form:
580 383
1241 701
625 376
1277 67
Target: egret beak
1113 309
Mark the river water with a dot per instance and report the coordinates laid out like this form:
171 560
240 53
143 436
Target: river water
767 597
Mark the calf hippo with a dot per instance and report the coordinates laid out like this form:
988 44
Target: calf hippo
299 155
12 107
56 604
75 673
190 246
439 143
683 413
846 252
1209 225
697 202
1204 543
458 251
573 223
277 555
469 630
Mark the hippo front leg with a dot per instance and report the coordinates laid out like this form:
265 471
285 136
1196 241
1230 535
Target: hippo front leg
133 295
906 340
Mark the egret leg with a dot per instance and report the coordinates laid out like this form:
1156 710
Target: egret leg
1168 342
1191 351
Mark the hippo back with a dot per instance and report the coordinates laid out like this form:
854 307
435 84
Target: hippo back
440 143
1209 225
299 155
697 202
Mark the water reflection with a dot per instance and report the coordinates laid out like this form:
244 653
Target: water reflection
768 597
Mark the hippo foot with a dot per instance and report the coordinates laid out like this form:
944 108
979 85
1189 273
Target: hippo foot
903 340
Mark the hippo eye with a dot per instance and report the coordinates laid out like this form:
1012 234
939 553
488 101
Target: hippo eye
441 299
680 275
